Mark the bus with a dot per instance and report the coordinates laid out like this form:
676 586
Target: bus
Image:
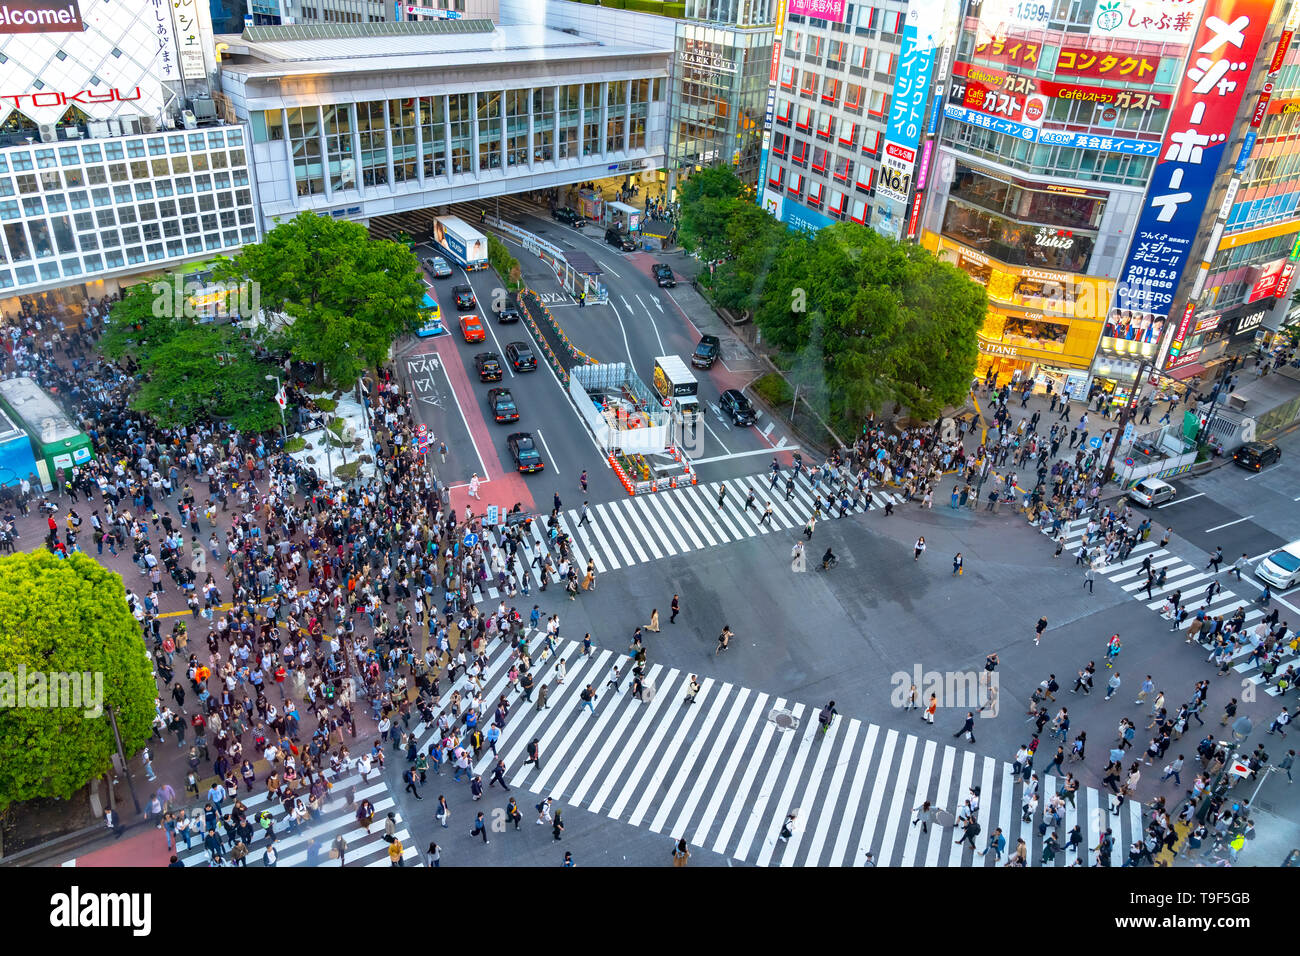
430 318
56 442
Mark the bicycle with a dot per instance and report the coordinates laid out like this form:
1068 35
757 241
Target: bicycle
827 565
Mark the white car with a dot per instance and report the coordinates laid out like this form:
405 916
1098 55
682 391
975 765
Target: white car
1281 569
1150 492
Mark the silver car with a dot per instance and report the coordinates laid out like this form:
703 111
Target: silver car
1150 492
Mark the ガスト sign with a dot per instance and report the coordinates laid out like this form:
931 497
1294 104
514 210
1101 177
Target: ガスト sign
40 16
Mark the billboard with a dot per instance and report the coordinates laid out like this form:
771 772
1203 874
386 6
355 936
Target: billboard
40 16
832 10
1032 134
1210 93
113 66
1155 21
1023 85
921 41
1102 65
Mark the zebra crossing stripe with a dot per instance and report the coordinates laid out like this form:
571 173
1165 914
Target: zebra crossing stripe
898 808
723 790
666 690
939 832
758 814
739 795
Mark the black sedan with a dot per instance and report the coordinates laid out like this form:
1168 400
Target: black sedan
507 314
503 405
524 452
464 297
521 357
663 275
738 408
570 216
1256 454
488 365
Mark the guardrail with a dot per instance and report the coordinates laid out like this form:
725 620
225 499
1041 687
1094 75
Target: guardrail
553 256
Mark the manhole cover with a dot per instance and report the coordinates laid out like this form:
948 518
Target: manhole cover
783 719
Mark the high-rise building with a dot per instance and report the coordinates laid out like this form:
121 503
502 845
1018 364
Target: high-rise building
1083 156
113 161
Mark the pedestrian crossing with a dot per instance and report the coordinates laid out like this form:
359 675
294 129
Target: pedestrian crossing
724 772
337 817
630 531
1194 583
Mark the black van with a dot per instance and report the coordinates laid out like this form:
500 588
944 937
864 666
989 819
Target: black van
619 239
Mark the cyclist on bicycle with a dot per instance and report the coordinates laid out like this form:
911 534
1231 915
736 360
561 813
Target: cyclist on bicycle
826 716
828 559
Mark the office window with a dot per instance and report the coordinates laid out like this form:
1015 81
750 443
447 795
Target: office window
489 130
402 119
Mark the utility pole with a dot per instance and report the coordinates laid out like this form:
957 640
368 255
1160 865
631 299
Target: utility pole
126 770
1130 410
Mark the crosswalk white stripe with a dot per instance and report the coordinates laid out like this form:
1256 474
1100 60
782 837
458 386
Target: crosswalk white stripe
610 740
512 742
670 503
818 811
740 794
603 529
1006 807
868 833
967 771
771 827
716 746
762 497
987 785
923 781
644 756
599 555
722 790
614 522
739 521
665 526
673 749
719 704
758 814
699 517
625 512
1071 820
898 809
784 508
582 736
719 519
940 802
576 546
629 746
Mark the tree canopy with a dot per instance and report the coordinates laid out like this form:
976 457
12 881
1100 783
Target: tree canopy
66 616
859 320
349 297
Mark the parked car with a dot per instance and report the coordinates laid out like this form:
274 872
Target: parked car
464 297
527 459
438 267
1150 492
521 356
706 352
663 275
503 405
570 216
471 326
620 239
1256 454
488 365
738 408
1281 569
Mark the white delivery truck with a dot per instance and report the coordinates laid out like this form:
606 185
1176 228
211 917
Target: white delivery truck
465 246
677 388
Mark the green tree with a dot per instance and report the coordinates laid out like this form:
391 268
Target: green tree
66 616
706 200
347 297
207 371
753 239
868 321
140 320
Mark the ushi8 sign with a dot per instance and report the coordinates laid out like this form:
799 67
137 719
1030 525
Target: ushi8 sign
1209 95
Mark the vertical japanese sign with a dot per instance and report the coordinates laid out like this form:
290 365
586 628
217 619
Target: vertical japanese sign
165 66
907 116
1210 93
189 40
778 33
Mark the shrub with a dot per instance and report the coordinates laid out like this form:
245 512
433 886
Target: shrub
773 389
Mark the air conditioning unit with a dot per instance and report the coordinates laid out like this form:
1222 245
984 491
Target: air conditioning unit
189 119
97 129
148 124
49 133
114 127
204 108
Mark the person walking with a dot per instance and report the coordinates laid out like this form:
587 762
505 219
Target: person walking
957 564
681 852
789 827
676 609
924 816
1039 628
534 756
557 827
1112 685
997 843
480 828
724 640
928 714
918 548
692 689
967 728
653 626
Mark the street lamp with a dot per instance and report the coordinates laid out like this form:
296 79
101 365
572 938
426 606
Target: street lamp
284 434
